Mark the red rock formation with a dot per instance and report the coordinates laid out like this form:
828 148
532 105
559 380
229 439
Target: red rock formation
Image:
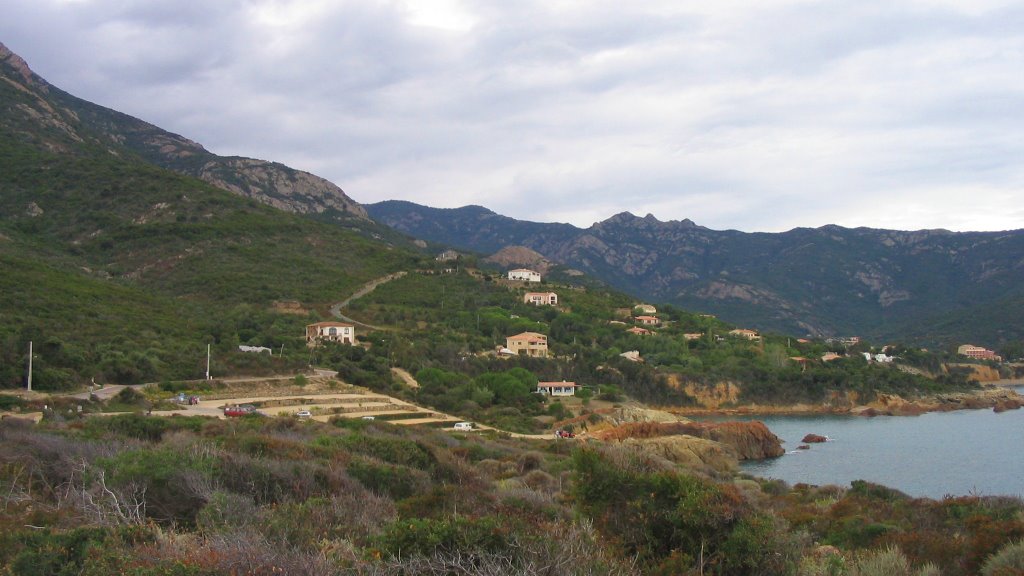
814 439
749 440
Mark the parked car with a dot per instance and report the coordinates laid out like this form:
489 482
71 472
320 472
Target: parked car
303 414
463 426
368 418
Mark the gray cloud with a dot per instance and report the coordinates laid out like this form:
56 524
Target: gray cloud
755 116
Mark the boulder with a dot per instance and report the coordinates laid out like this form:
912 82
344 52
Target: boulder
1008 404
814 439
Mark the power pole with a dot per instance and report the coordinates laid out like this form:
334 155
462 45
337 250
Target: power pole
29 365
207 361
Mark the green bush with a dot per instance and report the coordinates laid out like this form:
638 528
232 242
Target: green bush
396 481
426 537
393 450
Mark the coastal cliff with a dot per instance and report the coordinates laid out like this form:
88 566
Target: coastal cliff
710 447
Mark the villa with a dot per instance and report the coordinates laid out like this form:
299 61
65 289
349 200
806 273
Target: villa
528 343
321 332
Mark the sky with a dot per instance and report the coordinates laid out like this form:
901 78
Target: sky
757 116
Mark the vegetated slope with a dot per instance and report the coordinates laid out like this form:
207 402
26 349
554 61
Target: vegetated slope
67 120
447 330
883 284
129 269
190 495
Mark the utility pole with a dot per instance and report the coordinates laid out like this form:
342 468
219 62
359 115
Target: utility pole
207 361
29 365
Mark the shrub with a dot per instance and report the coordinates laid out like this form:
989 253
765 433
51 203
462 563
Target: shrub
396 481
426 537
130 397
888 562
654 513
1008 561
9 402
760 545
392 450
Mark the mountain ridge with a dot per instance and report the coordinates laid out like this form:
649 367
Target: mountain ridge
823 281
269 182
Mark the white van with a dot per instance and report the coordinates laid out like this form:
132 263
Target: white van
464 426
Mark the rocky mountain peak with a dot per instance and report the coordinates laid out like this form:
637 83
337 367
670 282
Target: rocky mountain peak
20 66
60 122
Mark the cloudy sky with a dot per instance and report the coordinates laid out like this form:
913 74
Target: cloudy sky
759 116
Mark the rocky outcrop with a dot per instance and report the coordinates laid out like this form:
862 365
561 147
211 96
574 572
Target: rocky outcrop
977 372
634 415
894 405
19 65
750 440
1008 404
279 186
521 256
814 439
696 454
744 440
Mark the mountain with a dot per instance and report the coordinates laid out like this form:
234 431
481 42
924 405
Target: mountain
119 268
60 122
928 286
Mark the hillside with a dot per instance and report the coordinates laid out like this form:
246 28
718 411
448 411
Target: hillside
195 496
123 270
46 116
932 286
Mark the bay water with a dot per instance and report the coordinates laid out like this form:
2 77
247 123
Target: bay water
932 455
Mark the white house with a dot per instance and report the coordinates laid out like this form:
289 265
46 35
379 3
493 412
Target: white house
330 332
524 274
562 388
541 298
745 333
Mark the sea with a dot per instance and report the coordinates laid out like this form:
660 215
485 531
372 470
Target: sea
964 452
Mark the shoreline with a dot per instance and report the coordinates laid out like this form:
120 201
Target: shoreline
1007 383
997 396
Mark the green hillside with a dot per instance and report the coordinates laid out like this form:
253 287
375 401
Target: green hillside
132 269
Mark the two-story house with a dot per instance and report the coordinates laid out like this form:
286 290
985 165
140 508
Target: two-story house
541 298
528 343
524 274
330 332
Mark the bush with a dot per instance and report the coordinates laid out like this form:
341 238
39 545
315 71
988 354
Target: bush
1009 561
428 537
130 397
392 450
888 562
396 481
